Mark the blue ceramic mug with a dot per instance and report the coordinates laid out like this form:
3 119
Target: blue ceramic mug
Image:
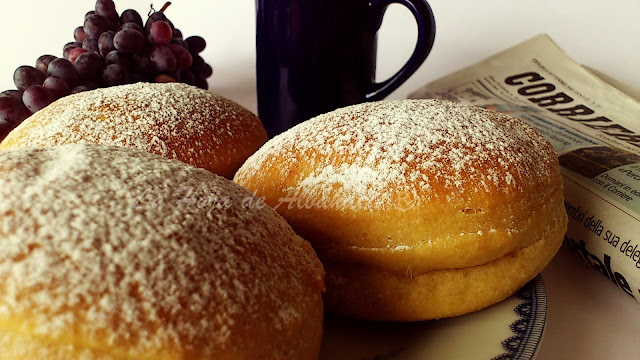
314 56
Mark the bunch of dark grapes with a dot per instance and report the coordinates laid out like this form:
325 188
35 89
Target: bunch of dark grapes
109 49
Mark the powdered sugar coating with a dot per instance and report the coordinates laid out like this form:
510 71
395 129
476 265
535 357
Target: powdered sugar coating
175 120
119 246
404 152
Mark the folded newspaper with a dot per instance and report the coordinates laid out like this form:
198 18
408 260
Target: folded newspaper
594 128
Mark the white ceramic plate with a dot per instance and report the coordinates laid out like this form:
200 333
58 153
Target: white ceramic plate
511 329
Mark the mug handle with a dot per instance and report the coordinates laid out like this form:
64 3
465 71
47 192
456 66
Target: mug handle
426 36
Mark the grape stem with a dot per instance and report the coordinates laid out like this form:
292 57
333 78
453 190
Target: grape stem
162 9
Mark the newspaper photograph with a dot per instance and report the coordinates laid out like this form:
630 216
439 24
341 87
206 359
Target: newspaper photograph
594 128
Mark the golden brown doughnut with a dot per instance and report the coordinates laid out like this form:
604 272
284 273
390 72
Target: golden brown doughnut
419 209
115 254
175 120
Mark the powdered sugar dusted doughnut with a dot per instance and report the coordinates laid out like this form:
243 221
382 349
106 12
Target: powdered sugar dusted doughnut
415 188
175 120
112 253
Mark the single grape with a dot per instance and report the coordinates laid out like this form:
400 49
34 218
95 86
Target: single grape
5 128
91 44
89 13
79 34
160 33
80 88
200 67
182 55
89 66
16 94
187 77
143 66
163 59
201 83
26 76
136 78
63 69
196 44
131 16
115 74
177 34
132 26
43 62
129 41
105 42
179 42
73 54
197 64
107 9
58 86
117 57
37 97
12 110
156 16
72 44
95 25
206 70
68 47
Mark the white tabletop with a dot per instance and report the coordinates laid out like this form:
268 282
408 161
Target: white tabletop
588 317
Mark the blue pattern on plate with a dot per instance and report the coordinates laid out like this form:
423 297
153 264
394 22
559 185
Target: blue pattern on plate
529 327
